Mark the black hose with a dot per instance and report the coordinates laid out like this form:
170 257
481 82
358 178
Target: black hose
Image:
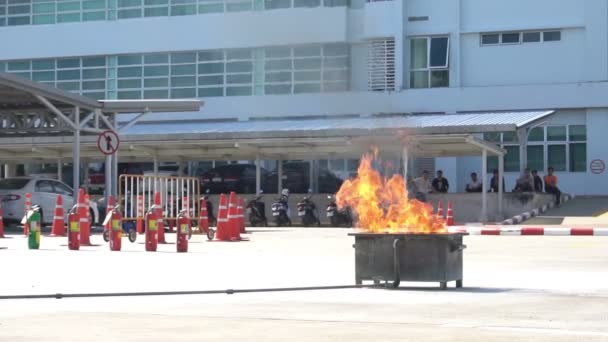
178 293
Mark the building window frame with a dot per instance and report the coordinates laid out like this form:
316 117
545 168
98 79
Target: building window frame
429 70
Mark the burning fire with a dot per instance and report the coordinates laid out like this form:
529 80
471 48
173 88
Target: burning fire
382 205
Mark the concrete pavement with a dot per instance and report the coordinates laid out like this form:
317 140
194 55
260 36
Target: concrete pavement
529 289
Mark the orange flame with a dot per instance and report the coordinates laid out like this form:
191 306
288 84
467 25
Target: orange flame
382 205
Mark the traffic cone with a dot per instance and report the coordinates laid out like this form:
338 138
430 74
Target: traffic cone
83 214
161 221
241 213
203 221
450 218
439 210
1 221
233 219
28 206
140 214
222 220
58 228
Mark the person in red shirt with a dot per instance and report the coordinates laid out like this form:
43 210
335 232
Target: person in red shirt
551 185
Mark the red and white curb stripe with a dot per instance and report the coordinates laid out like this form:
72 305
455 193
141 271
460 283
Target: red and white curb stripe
534 212
520 231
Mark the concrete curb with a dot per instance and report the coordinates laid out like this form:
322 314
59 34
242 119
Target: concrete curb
530 231
517 219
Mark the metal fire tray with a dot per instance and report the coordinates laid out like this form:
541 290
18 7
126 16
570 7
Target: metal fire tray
396 257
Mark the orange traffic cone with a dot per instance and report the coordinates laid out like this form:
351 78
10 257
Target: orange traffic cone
450 217
439 210
140 214
203 221
28 206
241 213
161 221
222 233
83 214
58 228
233 228
1 221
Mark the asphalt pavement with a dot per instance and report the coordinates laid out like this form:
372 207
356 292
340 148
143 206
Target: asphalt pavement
516 288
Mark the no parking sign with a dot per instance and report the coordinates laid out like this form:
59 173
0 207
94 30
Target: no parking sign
597 166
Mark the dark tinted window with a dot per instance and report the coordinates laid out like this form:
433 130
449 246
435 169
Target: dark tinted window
44 186
13 183
62 189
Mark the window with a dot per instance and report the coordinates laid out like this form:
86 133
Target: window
490 39
429 62
62 189
510 38
564 148
44 186
381 65
552 36
531 37
507 38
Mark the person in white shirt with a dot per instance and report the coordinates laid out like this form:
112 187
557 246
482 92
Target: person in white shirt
475 184
422 186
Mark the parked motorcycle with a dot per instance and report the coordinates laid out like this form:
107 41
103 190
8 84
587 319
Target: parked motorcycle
279 212
307 210
256 209
338 217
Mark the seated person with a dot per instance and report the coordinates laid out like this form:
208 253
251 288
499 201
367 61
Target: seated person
494 182
422 186
475 184
440 184
538 183
551 185
525 182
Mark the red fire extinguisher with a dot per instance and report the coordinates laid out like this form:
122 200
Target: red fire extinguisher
183 231
74 229
151 230
115 229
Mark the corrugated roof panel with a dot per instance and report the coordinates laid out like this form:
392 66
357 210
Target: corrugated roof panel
427 124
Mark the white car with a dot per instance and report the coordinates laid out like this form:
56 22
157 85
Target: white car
44 193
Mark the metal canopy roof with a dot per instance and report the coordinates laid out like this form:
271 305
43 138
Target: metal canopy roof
29 108
434 135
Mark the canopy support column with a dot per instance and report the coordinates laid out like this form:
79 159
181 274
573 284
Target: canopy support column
405 157
484 186
311 175
279 175
501 191
155 161
59 169
76 151
258 174
522 137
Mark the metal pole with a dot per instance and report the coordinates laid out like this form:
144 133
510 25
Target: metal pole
522 137
405 156
258 174
280 175
501 191
311 176
114 163
59 170
76 151
484 187
155 165
108 171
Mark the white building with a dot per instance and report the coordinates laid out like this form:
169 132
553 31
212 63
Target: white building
295 58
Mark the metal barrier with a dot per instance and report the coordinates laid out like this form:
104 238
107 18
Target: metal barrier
136 192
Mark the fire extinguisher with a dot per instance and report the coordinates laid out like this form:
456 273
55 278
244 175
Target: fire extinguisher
74 229
183 231
33 221
115 229
151 229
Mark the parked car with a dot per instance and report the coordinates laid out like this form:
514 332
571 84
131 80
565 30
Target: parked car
44 193
67 174
236 177
296 178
